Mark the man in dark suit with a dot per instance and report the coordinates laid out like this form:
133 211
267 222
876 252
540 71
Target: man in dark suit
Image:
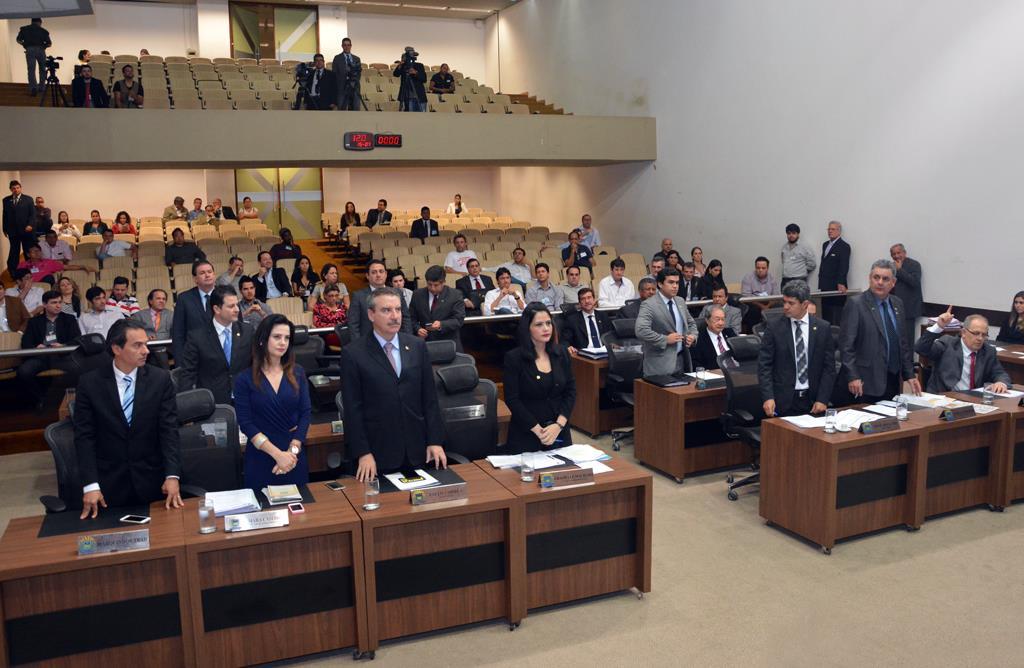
835 265
222 212
392 418
645 288
271 282
126 428
380 215
437 311
88 92
691 288
712 339
908 288
19 215
50 329
358 320
962 362
347 69
192 308
796 367
215 354
875 353
322 86
424 226
412 95
474 286
583 327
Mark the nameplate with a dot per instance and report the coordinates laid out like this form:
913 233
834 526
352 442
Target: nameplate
121 541
454 492
879 426
267 519
337 427
958 413
565 478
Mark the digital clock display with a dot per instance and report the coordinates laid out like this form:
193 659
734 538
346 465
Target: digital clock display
387 141
367 141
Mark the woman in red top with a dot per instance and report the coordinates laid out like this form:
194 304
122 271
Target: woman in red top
123 224
330 312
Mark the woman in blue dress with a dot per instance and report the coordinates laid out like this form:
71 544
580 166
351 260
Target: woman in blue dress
272 404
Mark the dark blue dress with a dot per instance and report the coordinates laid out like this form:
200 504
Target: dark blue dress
281 417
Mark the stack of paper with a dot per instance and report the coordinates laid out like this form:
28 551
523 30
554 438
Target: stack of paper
881 409
805 421
707 375
853 418
422 479
581 452
1010 394
539 460
232 502
927 399
594 353
280 494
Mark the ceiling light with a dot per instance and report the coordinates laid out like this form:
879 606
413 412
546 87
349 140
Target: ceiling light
467 9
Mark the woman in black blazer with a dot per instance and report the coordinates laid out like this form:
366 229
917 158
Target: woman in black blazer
1012 330
539 386
713 278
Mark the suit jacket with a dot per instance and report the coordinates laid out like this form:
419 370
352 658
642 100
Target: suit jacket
705 351
35 330
908 288
417 81
697 286
227 213
359 322
834 267
533 401
862 343
630 311
653 325
100 99
189 315
947 357
465 286
574 328
421 229
776 364
16 218
448 308
340 69
375 217
204 364
393 418
328 92
280 278
145 316
129 461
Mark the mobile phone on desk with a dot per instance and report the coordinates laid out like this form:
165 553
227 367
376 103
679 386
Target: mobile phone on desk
296 508
334 485
135 519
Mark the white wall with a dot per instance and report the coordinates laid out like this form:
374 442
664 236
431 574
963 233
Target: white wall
332 26
118 27
213 26
899 119
408 188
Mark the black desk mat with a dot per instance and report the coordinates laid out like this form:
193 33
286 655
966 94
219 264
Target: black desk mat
68 522
443 476
307 497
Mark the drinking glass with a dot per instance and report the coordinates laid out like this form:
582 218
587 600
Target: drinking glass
987 395
207 517
702 382
902 408
371 500
830 420
526 467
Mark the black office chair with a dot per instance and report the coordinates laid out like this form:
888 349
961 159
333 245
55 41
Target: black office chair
344 336
566 309
309 351
625 364
759 328
742 417
60 436
469 410
91 354
444 354
770 314
210 462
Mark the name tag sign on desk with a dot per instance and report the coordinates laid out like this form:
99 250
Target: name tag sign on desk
565 478
267 519
958 413
120 541
439 494
879 426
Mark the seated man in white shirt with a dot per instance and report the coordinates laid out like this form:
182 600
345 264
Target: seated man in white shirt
101 317
54 248
455 261
30 295
733 315
615 290
572 286
541 290
111 247
505 298
520 271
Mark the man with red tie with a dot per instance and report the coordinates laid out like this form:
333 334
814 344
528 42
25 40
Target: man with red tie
474 286
961 362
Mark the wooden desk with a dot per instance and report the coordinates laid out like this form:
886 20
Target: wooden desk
1014 364
587 414
583 541
261 596
120 609
1011 464
440 565
664 415
825 487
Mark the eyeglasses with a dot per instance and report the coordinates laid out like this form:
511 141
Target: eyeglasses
983 335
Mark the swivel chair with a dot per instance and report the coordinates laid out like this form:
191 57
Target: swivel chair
211 454
742 417
625 365
469 410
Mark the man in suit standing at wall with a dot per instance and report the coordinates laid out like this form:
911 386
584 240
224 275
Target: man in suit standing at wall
875 352
835 265
347 70
215 354
437 311
126 428
665 327
964 362
908 288
19 214
796 367
392 418
358 321
192 307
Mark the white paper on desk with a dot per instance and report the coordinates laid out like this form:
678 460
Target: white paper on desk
854 418
927 399
888 411
707 375
805 421
233 501
596 467
595 351
540 460
580 452
1010 394
983 409
396 480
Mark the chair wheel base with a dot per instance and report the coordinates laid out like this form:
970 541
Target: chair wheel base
996 509
730 478
616 447
512 626
357 655
733 496
826 550
679 481
912 529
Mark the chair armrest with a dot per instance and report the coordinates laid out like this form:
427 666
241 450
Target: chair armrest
53 504
745 418
191 491
616 378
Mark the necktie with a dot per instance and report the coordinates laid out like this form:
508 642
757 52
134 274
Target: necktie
316 84
675 325
16 198
389 348
225 342
974 358
721 344
892 363
206 303
156 321
476 284
88 93
595 338
348 59
433 303
801 353
129 399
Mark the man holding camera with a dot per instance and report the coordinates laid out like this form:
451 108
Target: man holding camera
322 87
412 96
347 68
35 39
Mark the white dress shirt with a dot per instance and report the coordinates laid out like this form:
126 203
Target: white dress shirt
99 322
508 301
610 293
679 324
805 330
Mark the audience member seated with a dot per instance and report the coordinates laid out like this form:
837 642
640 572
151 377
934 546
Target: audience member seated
236 269
95 225
674 259
666 247
176 211
217 352
88 92
119 298
197 213
123 224
330 312
157 320
396 280
70 296
128 454
474 286
589 236
221 212
273 407
112 247
50 328
42 222
358 320
30 296
505 298
583 327
329 275
713 277
304 279
55 248
349 218
542 290
180 251
287 249
380 215
252 311
101 317
664 327
192 308
208 218
577 254
571 288
248 211
436 310
65 228
733 315
691 288
520 271
962 362
43 270
424 226
443 83
712 337
455 261
128 92
455 207
271 282
1013 330
654 268
759 283
615 290
647 287
697 258
540 389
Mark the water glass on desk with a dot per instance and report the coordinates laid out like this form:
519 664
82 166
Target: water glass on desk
830 420
371 498
987 395
526 467
207 517
902 408
702 382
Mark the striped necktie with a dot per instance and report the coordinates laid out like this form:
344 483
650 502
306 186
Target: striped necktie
129 399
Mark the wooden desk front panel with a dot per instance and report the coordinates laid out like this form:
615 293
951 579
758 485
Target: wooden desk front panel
875 486
963 466
1016 485
587 415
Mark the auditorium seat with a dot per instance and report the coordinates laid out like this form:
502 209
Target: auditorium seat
447 107
606 250
237 94
518 109
635 260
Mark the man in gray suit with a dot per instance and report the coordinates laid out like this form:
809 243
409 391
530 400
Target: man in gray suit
876 354
908 288
665 327
348 70
156 319
962 362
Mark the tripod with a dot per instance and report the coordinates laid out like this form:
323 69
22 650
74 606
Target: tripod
349 93
53 87
303 93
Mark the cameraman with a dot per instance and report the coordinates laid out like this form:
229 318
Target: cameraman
128 92
88 92
347 69
36 39
411 94
322 87
442 83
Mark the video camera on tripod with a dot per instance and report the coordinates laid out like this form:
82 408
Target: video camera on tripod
52 89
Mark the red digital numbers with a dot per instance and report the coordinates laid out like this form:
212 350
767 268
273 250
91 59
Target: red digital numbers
388 141
358 141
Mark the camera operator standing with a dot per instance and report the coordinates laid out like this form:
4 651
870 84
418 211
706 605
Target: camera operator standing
411 94
36 39
322 87
347 69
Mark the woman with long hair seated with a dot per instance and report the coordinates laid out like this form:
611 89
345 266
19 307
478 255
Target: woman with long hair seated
70 299
123 223
330 312
1013 330
273 408
713 278
304 279
539 386
697 258
329 276
348 219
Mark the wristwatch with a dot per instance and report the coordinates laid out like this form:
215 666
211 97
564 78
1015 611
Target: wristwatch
294 449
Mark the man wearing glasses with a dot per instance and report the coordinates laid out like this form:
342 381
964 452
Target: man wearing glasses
962 362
